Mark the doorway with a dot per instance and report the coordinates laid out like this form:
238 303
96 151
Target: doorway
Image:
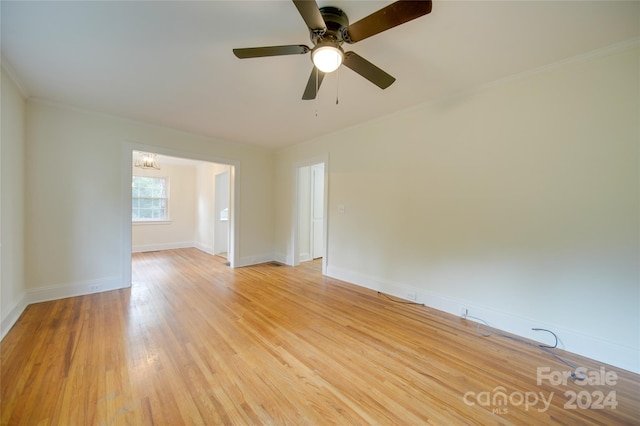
311 213
206 219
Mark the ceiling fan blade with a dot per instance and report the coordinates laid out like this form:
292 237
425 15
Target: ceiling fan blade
310 12
388 17
313 85
258 52
366 69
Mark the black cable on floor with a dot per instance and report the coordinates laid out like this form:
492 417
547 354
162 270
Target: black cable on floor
574 374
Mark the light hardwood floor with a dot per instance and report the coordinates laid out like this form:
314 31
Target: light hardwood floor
195 342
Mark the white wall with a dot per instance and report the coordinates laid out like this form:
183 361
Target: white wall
76 195
12 186
179 231
519 202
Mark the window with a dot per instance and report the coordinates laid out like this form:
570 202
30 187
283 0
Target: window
149 199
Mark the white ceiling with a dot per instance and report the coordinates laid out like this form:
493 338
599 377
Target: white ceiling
171 62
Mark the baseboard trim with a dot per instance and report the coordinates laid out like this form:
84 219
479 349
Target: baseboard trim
141 248
205 248
255 260
55 292
283 258
12 315
593 347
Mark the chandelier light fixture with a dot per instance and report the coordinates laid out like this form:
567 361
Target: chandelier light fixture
146 160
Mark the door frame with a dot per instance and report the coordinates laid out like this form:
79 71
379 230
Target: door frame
234 196
323 159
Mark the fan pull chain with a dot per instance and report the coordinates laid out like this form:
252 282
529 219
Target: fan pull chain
316 98
337 84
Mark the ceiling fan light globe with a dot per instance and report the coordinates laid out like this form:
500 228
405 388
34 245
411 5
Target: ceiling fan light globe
327 58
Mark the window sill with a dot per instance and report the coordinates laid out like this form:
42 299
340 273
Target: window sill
151 222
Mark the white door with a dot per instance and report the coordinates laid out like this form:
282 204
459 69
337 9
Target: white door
221 231
317 210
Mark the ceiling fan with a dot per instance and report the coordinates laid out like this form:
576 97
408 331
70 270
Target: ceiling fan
329 28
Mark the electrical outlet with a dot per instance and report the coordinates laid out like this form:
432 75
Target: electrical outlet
412 296
465 313
94 288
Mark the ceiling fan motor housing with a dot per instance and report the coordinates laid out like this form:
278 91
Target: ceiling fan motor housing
336 21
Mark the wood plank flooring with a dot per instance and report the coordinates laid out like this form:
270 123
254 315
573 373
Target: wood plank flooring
194 342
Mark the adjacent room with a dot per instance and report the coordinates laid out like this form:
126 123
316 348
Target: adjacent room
183 203
202 222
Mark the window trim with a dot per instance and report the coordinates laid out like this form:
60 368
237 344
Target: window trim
160 221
